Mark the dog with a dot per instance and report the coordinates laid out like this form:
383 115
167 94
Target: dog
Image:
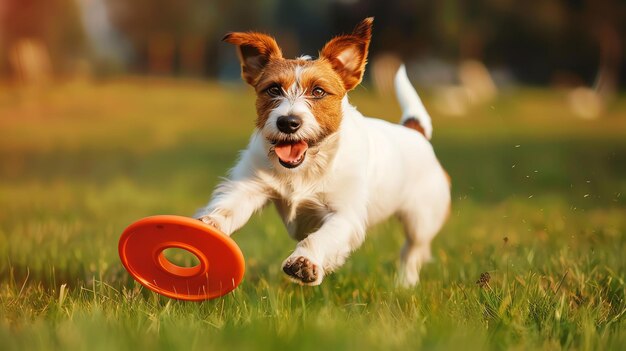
330 171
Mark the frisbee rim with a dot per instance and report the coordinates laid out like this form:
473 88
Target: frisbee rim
232 247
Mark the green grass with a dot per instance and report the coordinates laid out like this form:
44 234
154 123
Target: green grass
539 204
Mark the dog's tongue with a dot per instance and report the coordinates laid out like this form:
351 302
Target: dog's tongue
291 152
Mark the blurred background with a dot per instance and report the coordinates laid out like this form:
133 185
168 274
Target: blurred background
113 110
466 50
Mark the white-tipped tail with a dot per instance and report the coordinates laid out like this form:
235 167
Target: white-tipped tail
410 102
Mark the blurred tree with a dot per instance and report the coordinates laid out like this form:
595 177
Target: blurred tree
151 26
54 24
539 41
173 36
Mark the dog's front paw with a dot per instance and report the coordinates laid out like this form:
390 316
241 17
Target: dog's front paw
303 271
210 221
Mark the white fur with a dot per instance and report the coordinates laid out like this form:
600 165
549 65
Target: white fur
366 172
411 103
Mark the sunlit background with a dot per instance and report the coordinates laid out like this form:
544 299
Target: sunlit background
113 110
467 50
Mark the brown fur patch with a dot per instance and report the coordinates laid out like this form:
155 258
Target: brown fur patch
255 50
414 124
348 53
327 110
314 74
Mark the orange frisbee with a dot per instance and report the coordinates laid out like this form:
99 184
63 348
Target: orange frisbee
221 266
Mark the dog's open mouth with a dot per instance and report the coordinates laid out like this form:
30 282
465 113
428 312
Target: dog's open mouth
291 153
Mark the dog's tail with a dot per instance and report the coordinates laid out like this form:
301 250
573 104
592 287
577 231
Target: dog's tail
414 114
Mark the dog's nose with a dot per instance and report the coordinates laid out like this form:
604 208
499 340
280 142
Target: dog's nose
288 124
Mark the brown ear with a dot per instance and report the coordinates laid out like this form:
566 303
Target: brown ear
255 50
348 53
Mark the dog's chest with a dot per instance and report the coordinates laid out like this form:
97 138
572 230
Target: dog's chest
302 216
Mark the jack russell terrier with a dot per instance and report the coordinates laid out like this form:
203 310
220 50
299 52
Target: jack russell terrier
330 171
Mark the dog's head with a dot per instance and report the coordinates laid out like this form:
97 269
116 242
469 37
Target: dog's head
299 101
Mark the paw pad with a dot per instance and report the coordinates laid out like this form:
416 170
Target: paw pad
302 269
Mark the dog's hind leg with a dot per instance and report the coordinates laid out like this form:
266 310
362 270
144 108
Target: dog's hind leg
423 216
415 252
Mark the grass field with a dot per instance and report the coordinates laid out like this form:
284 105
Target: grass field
539 204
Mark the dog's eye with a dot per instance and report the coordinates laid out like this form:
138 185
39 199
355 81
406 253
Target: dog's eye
318 93
274 91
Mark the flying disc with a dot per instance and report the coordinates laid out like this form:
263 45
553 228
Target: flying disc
221 266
